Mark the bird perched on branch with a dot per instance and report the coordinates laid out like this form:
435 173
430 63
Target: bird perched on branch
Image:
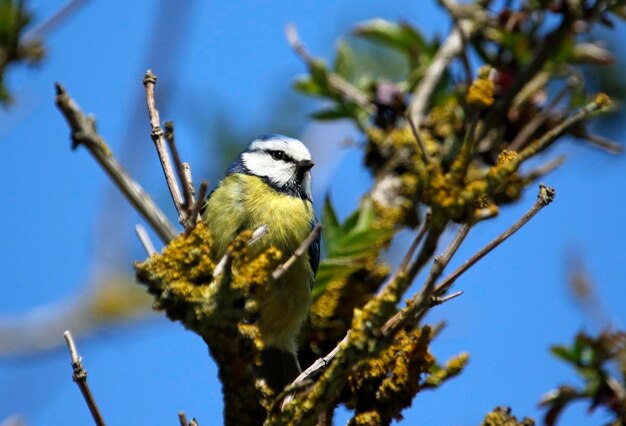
270 184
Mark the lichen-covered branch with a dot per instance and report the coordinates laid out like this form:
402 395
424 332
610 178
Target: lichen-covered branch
182 281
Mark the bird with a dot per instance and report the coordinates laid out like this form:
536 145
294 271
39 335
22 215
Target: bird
269 183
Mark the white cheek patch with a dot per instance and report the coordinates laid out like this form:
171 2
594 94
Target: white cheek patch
262 164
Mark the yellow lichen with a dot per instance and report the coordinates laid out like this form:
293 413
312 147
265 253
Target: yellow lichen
480 93
502 416
603 100
452 368
368 418
506 156
444 122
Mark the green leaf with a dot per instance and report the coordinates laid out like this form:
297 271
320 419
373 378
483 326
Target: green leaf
331 114
344 61
332 228
366 216
402 37
564 353
331 270
309 87
319 74
355 238
359 244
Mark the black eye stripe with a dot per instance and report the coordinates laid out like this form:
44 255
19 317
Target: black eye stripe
280 155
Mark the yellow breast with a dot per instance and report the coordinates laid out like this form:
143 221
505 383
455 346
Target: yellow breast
246 202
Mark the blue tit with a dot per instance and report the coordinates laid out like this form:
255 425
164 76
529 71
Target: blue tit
270 184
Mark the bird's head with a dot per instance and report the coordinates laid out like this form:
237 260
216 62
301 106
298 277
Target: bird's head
284 163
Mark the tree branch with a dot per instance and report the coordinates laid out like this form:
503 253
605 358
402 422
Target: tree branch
192 218
183 170
80 378
545 197
145 240
83 132
339 84
450 48
300 251
423 297
158 138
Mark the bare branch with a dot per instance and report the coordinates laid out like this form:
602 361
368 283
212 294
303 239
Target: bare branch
84 132
546 168
604 144
193 218
545 197
182 418
450 48
600 102
313 369
80 378
146 242
416 241
338 83
423 297
537 121
300 251
60 16
420 142
434 301
182 169
188 180
256 235
158 138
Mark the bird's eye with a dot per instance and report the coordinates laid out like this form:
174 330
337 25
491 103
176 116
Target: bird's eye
277 155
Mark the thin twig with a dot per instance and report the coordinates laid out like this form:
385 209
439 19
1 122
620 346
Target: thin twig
545 51
313 369
188 180
604 144
423 297
452 7
420 142
339 84
418 307
182 169
545 197
300 251
84 133
256 235
192 219
450 48
60 16
537 121
80 378
600 102
416 241
146 242
437 300
544 169
182 418
158 138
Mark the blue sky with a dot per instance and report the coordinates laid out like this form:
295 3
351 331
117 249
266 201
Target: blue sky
233 61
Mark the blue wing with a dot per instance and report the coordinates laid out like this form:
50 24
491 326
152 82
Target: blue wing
314 251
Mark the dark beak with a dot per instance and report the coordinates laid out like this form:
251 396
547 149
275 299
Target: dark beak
304 165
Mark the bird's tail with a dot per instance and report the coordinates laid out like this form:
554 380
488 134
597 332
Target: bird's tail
278 368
